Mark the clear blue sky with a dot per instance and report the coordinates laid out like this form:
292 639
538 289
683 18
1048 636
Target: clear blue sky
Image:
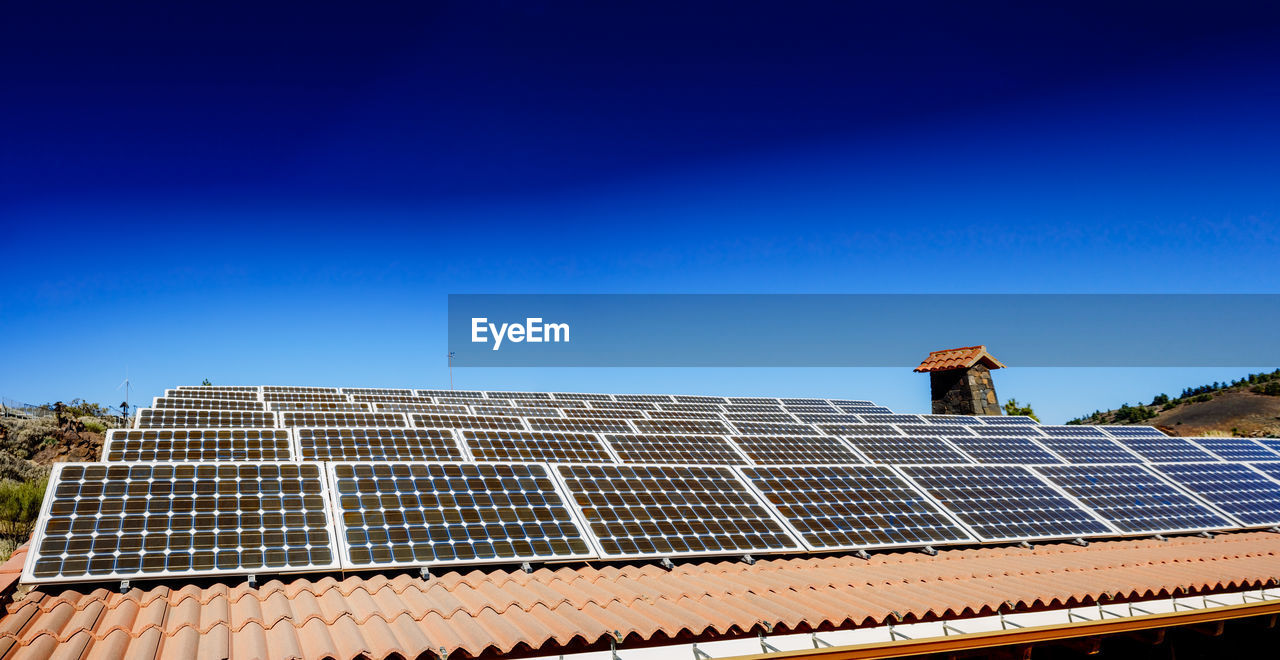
268 196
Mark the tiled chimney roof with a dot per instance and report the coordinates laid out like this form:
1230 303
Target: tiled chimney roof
958 358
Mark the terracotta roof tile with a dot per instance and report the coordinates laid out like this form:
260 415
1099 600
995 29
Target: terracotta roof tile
497 610
958 358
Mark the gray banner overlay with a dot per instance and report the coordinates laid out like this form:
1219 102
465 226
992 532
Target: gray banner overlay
862 330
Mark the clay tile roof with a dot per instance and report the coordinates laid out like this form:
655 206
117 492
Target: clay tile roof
488 611
958 358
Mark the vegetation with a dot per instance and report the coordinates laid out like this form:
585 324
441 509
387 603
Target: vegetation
1261 383
206 382
1012 407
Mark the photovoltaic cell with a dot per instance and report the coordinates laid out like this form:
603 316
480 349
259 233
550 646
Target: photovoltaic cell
437 408
154 418
452 394
666 510
376 391
766 428
341 418
518 395
438 421
388 398
963 420
1088 450
377 444
1132 499
898 450
873 418
281 406
847 507
754 400
675 449
1247 496
699 399
797 449
680 426
536 447
667 414
860 429
691 407
212 394
576 396
1237 449
1009 431
1004 502
1134 431
299 389
512 411
935 430
415 514
213 404
1165 449
608 414
219 388
760 417
622 405
181 445
580 425
120 521
1001 419
1072 431
652 398
752 408
304 396
819 418
1004 450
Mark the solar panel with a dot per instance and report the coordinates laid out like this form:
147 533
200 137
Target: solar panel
668 414
377 444
438 421
820 418
873 418
1004 450
752 408
341 418
651 398
1132 499
526 446
765 428
452 394
1088 450
675 449
607 414
680 426
415 514
213 394
860 429
1001 419
388 398
1009 431
517 395
1242 493
796 449
1166 449
1004 502
153 418
121 521
870 410
691 407
754 400
1273 445
852 402
182 445
1071 431
935 430
1272 470
760 417
1236 449
576 396
512 411
667 510
897 450
829 410
579 425
281 406
421 408
297 389
848 507
304 396
700 399
376 391
219 388
212 404
965 420
538 403
1134 431
621 405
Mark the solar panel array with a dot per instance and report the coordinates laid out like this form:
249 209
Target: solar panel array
273 479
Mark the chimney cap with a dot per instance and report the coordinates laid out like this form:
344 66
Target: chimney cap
958 358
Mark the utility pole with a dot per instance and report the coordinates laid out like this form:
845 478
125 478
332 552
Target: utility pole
451 354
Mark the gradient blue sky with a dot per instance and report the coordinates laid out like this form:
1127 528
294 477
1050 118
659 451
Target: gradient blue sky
261 194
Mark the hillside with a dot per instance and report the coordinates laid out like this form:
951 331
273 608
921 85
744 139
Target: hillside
1249 407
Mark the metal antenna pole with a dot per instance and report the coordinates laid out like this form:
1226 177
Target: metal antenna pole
451 354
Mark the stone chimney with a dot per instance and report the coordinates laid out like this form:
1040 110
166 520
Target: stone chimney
960 381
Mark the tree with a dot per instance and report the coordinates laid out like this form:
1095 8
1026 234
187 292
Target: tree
1012 407
205 382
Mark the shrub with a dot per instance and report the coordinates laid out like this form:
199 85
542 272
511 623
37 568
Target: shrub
1012 407
19 506
1201 398
24 437
93 424
1270 388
